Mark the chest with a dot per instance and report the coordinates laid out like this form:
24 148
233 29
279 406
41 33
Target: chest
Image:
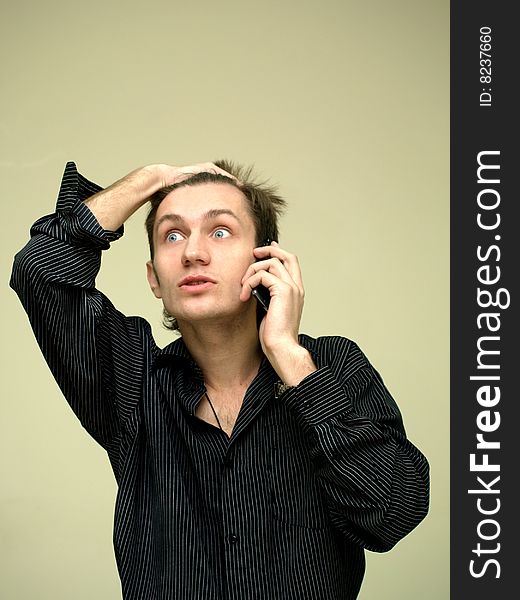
266 467
221 411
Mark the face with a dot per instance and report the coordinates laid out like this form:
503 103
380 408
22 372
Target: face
203 243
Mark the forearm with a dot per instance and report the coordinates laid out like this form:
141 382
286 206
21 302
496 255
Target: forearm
374 479
115 204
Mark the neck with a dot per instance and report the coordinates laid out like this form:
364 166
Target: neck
228 353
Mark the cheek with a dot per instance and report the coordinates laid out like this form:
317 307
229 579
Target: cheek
239 266
164 272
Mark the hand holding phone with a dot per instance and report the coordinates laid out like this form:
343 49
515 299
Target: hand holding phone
261 293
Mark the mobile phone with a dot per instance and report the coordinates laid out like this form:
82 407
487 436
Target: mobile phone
260 292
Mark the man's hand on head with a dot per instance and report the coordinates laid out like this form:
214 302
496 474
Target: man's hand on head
115 204
169 175
279 271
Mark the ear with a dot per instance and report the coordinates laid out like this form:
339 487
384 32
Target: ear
153 281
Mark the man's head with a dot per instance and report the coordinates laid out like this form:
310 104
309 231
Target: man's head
207 224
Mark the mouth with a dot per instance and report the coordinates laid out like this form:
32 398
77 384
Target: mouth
196 282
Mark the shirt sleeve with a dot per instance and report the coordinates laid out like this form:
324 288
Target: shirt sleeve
376 482
92 349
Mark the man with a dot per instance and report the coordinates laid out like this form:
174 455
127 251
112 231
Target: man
251 461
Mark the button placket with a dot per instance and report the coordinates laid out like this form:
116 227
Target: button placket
232 539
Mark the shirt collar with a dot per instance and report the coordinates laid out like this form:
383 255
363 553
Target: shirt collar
177 351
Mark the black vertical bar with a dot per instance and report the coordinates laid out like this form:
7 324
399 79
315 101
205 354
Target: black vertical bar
484 131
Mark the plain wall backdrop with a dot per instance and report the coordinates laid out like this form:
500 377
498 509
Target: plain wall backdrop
345 106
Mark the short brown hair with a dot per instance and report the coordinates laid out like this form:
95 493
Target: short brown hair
263 202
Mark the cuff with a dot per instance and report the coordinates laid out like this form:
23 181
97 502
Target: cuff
85 224
319 397
82 223
74 188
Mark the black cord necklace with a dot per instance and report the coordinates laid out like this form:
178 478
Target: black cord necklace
214 411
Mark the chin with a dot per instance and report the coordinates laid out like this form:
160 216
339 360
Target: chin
204 313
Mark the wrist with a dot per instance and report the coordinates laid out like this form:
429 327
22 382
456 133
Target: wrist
292 363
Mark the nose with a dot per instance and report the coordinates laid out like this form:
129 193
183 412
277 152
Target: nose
195 250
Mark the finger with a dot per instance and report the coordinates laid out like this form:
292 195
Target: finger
275 252
229 176
212 168
273 283
264 278
272 265
183 173
290 261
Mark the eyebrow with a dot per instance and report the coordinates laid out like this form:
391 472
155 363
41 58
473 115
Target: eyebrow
210 214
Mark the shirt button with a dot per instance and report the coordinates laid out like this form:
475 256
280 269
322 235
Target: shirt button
232 538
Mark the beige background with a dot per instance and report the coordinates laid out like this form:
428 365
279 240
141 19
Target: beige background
345 106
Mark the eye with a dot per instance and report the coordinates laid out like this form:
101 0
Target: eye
174 236
221 233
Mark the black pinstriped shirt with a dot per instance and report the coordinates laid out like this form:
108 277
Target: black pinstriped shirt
281 510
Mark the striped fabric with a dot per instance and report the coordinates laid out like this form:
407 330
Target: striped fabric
281 510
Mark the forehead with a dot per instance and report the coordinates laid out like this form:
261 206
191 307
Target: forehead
192 202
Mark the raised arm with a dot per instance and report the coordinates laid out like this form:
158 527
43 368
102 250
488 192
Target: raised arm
94 352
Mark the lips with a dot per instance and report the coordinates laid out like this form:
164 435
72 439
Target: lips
195 280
